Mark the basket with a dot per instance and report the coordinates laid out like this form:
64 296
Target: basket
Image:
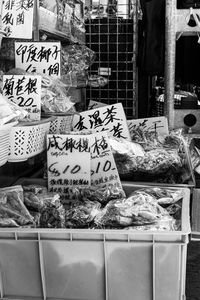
5 131
28 140
62 122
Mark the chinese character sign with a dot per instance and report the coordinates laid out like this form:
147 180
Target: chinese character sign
103 167
25 91
158 125
38 57
68 162
17 18
109 118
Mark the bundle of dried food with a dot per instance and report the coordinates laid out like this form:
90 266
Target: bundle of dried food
81 213
102 194
44 206
13 212
165 196
137 209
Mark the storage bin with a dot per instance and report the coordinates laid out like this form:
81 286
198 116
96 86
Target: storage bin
61 122
5 131
92 264
28 140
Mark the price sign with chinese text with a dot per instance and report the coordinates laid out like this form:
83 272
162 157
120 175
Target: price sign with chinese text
38 57
158 125
17 18
109 118
68 162
25 91
103 167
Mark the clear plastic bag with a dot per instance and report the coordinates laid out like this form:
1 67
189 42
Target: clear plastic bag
45 206
12 209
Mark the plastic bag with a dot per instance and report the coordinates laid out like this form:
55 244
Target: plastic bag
102 194
81 213
48 205
54 96
12 209
149 158
141 208
10 111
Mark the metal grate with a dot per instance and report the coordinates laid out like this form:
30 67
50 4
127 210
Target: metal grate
113 38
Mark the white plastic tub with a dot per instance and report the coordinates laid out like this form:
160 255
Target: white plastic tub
83 264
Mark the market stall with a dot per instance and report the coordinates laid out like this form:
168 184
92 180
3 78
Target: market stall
106 213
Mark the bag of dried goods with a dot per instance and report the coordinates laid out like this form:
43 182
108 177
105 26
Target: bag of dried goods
81 213
44 206
13 212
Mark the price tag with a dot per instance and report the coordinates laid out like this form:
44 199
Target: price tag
103 167
25 91
68 162
38 57
17 18
109 118
159 125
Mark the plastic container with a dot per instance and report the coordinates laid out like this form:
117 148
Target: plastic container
5 131
47 264
28 140
61 122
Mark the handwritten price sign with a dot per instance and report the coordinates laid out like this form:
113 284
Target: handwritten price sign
158 125
68 162
25 91
103 167
17 18
39 57
109 118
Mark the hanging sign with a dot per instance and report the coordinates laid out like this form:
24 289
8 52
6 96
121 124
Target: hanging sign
68 162
38 57
95 104
109 118
103 167
25 91
158 125
17 18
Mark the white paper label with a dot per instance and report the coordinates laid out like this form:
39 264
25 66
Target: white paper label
68 162
103 167
38 57
159 125
25 91
17 18
109 118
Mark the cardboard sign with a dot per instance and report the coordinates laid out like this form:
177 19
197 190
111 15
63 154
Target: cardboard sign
109 118
17 18
68 162
103 167
95 104
25 91
39 57
158 125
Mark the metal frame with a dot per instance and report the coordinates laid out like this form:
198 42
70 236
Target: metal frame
175 26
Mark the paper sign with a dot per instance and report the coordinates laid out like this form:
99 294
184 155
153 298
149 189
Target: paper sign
103 167
39 57
25 91
109 118
158 125
17 18
68 162
95 104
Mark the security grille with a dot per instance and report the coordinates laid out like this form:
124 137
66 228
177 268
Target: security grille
111 31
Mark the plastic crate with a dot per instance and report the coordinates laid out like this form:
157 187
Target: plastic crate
91 264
